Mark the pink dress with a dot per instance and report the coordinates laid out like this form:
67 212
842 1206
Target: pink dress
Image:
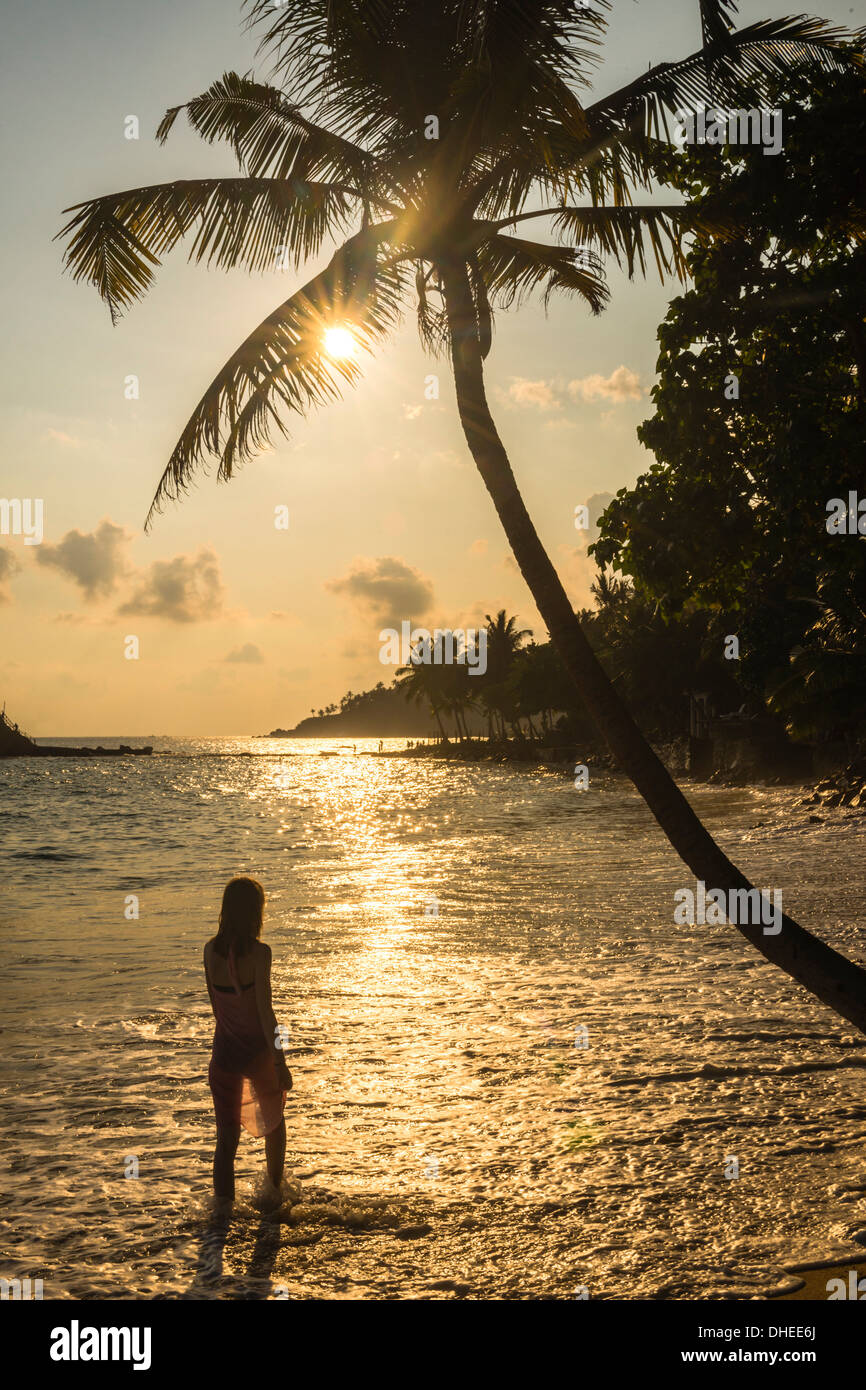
243 1071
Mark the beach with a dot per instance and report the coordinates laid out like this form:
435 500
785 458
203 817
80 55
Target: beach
515 1076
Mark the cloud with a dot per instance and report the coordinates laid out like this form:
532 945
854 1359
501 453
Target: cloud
247 655
186 589
386 590
9 565
93 560
622 385
533 393
75 619
578 569
61 437
595 505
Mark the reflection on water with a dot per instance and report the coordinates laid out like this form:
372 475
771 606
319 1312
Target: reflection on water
514 1076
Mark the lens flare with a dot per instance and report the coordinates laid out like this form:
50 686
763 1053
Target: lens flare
339 342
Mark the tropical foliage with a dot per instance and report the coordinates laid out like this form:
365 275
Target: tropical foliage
760 416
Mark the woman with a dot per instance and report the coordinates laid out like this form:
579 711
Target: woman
248 1074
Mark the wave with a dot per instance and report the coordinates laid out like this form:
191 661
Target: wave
52 856
711 1072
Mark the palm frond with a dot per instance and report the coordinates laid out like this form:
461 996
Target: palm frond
432 321
626 233
512 268
605 167
270 137
283 362
734 70
345 60
717 20
117 240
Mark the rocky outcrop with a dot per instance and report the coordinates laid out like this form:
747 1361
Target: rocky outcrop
845 788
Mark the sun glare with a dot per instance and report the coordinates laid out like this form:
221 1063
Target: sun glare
339 342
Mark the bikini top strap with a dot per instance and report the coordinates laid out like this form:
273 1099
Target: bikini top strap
233 971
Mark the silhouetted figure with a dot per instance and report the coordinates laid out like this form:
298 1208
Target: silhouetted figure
248 1074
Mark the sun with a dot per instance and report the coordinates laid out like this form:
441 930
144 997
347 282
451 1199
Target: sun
340 342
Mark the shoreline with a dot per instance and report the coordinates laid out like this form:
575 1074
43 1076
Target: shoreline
844 788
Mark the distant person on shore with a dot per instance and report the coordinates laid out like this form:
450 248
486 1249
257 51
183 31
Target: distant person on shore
248 1075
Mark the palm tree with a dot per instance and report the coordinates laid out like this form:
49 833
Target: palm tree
422 683
423 134
457 685
504 641
608 591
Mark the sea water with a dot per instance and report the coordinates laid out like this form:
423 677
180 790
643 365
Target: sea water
515 1075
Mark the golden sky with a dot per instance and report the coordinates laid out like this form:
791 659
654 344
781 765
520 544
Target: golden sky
243 626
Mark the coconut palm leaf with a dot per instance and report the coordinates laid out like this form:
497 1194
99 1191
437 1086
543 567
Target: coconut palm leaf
284 363
605 168
735 69
432 321
717 20
628 232
351 65
270 137
117 240
513 268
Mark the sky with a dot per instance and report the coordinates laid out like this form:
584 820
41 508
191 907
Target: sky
240 626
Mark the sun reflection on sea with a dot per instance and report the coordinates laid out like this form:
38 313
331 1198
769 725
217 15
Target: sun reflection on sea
490 1027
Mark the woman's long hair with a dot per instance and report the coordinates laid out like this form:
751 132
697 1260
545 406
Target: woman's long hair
241 915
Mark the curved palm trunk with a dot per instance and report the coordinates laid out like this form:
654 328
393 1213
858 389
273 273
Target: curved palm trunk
835 980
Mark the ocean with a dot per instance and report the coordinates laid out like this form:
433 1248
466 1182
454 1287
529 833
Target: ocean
515 1076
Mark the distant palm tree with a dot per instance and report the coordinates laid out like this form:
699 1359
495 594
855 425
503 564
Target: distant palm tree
504 641
432 129
608 591
422 684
